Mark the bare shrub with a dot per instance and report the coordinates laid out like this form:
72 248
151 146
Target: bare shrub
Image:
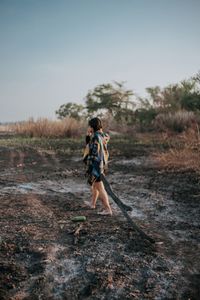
177 122
67 127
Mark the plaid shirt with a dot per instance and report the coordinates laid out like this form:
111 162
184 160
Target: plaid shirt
96 153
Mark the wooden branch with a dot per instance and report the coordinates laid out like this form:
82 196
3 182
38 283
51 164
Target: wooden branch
76 233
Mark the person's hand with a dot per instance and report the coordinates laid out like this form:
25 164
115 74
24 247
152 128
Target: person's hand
89 131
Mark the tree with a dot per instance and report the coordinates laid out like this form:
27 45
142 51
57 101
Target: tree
173 97
155 96
111 98
191 102
70 109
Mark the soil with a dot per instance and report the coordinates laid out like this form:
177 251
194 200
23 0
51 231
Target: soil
45 255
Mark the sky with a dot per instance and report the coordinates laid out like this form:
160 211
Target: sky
55 51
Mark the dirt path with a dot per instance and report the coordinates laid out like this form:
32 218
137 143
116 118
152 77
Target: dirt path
44 255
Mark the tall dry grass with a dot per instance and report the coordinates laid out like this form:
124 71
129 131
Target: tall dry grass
4 128
184 152
178 121
67 127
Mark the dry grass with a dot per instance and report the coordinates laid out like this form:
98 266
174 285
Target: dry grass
4 128
184 152
68 127
178 121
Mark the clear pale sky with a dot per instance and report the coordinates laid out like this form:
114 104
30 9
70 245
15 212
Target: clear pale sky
53 52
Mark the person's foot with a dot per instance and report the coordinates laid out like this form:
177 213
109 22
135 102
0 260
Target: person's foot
88 203
105 213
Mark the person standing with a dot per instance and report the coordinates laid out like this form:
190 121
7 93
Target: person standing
96 158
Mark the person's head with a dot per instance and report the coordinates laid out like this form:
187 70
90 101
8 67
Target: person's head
95 124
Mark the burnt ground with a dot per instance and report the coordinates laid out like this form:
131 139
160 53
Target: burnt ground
45 255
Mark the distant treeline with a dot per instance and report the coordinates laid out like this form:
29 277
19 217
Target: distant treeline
174 107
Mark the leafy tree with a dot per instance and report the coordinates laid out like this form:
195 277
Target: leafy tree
173 97
191 102
155 97
70 109
111 98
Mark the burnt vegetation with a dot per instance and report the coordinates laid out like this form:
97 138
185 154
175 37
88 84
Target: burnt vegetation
153 169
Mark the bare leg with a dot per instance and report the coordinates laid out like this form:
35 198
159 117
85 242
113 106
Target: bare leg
95 194
103 195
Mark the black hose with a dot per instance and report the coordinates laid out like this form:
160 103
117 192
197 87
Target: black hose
124 209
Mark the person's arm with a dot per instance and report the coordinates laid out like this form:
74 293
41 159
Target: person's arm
88 136
86 151
87 139
87 148
94 158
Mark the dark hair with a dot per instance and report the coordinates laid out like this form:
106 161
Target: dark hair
95 123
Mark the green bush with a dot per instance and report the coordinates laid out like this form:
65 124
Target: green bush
144 118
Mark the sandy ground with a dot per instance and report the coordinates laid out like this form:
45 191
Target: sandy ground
45 255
